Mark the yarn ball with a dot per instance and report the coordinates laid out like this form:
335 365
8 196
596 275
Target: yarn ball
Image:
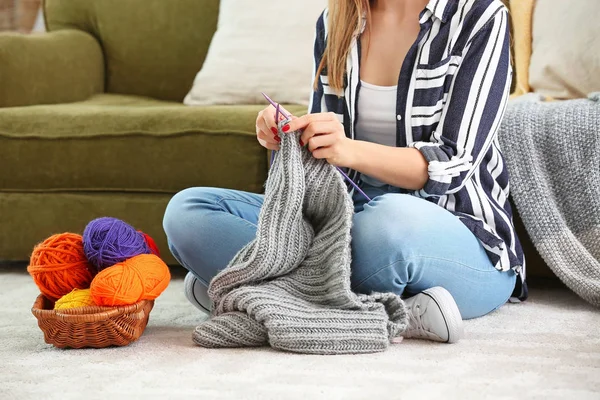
58 265
143 277
151 243
77 298
108 241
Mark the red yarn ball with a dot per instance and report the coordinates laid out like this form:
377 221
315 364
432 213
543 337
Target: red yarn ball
58 265
151 244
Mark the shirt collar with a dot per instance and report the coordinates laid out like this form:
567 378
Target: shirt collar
441 9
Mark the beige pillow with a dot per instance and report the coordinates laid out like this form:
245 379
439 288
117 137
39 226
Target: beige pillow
260 45
565 60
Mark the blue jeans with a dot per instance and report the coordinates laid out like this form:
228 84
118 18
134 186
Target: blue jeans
400 243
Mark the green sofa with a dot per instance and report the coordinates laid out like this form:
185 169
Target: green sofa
92 121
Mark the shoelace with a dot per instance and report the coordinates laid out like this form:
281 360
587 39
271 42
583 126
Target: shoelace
414 322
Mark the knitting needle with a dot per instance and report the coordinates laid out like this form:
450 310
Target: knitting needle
282 111
278 110
277 113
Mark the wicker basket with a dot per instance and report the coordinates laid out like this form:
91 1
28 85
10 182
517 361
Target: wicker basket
91 326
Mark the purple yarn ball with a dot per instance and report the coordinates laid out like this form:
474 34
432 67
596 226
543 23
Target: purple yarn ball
108 241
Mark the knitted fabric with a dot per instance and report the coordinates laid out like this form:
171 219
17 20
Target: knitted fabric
553 154
290 287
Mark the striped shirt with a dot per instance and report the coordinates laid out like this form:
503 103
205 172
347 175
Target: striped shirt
452 93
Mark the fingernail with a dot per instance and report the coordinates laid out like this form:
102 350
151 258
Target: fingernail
277 138
301 143
285 128
274 130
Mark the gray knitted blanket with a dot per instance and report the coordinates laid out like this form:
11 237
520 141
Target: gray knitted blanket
553 154
290 287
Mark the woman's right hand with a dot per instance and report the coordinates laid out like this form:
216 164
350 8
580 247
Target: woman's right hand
266 129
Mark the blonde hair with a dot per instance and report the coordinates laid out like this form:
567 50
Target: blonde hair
344 20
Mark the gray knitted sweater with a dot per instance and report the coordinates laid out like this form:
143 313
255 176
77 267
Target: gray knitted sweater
553 154
290 287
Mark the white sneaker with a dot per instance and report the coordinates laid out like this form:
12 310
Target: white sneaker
195 292
433 315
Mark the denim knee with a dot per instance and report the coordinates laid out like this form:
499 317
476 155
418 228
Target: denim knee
176 221
173 213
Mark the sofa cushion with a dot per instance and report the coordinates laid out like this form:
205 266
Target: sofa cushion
132 144
151 47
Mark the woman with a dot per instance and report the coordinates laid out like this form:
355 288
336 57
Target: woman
408 97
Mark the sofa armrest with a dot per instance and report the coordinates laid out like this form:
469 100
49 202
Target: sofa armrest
57 67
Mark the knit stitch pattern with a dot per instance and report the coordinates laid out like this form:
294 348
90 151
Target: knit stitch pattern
553 154
290 287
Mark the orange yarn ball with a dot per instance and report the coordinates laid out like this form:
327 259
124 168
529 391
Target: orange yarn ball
143 277
58 265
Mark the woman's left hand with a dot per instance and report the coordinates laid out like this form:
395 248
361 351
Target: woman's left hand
325 137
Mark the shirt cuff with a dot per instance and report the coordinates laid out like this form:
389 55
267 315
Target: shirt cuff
441 169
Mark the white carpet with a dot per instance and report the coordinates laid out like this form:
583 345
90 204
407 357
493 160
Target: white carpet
548 347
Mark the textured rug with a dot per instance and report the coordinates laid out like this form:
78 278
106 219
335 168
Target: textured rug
546 348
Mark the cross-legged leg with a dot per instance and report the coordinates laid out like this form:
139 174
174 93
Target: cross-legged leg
404 244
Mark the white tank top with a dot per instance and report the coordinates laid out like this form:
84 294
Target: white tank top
376 121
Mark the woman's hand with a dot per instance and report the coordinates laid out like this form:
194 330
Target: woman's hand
266 129
324 134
